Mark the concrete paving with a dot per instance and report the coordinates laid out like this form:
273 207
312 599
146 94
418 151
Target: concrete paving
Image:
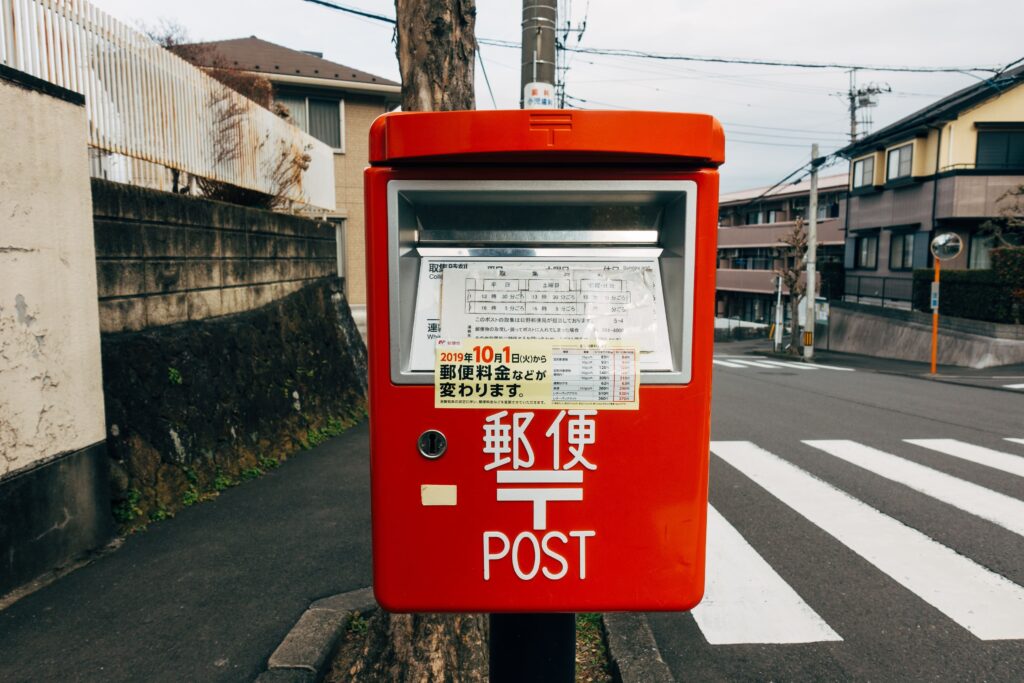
208 595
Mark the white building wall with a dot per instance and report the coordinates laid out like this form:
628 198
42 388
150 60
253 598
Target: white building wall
51 396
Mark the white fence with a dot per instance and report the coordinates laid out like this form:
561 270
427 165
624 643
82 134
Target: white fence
145 103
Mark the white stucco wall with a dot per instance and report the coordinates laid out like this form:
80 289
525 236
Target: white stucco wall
51 394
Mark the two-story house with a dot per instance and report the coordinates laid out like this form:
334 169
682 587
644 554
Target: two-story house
333 103
941 169
751 227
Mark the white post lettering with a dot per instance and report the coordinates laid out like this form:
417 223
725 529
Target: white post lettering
536 556
488 555
555 556
583 535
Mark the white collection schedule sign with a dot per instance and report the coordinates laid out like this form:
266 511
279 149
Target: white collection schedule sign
598 301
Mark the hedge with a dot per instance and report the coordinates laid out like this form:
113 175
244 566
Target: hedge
973 294
1008 265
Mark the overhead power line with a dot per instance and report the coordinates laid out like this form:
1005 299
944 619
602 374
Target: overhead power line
664 56
354 10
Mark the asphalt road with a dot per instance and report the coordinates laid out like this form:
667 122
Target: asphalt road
208 595
859 556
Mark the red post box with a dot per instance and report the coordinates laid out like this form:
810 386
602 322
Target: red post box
541 295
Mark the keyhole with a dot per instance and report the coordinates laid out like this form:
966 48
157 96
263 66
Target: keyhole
432 444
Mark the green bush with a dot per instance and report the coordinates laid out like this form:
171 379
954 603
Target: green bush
973 294
1008 265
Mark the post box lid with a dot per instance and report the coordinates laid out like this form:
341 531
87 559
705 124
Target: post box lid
550 136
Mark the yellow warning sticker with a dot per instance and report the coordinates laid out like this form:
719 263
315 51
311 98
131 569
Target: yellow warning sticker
536 373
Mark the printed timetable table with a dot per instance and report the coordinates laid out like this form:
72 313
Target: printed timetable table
593 375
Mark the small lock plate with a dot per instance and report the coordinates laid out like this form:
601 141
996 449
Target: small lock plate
432 444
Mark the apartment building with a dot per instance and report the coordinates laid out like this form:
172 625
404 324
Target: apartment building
752 226
941 169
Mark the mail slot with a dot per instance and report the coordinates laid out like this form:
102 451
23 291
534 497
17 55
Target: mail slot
540 328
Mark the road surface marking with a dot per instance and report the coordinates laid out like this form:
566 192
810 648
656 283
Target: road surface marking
986 604
1020 441
1013 386
746 601
1007 462
761 362
1000 509
752 363
788 364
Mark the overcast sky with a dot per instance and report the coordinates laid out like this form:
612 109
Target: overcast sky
771 114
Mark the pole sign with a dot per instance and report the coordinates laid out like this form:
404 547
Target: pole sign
541 321
935 296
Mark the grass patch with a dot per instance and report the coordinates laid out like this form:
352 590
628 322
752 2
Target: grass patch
592 661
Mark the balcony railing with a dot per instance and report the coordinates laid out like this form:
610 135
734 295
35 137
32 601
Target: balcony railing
887 292
148 105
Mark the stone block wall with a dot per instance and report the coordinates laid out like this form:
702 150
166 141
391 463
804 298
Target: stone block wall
163 258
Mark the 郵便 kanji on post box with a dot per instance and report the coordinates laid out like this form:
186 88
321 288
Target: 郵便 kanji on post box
540 329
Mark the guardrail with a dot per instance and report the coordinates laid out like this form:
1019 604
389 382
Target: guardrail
879 291
148 104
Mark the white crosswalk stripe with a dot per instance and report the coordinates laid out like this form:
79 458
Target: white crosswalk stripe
1003 510
1007 462
1020 441
759 362
986 604
746 601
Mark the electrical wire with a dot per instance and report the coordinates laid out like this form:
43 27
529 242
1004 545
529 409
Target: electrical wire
664 56
480 56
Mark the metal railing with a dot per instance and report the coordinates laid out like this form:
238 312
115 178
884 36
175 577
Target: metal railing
145 103
886 292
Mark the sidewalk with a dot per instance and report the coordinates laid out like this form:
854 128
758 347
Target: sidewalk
208 595
988 378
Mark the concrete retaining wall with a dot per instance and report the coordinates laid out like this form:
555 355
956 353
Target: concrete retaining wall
855 330
164 258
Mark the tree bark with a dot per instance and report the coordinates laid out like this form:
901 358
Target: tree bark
436 48
426 648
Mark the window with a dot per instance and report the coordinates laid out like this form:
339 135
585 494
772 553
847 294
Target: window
1000 149
773 216
320 117
753 218
980 252
867 252
901 251
898 163
864 172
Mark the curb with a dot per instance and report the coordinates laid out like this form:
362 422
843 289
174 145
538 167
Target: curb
633 650
303 654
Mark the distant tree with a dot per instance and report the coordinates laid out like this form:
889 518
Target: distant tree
790 268
1008 227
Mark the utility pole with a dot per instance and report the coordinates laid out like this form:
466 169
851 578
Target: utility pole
861 98
810 291
540 19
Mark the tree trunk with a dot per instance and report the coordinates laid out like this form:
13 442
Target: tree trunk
436 47
426 648
794 332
